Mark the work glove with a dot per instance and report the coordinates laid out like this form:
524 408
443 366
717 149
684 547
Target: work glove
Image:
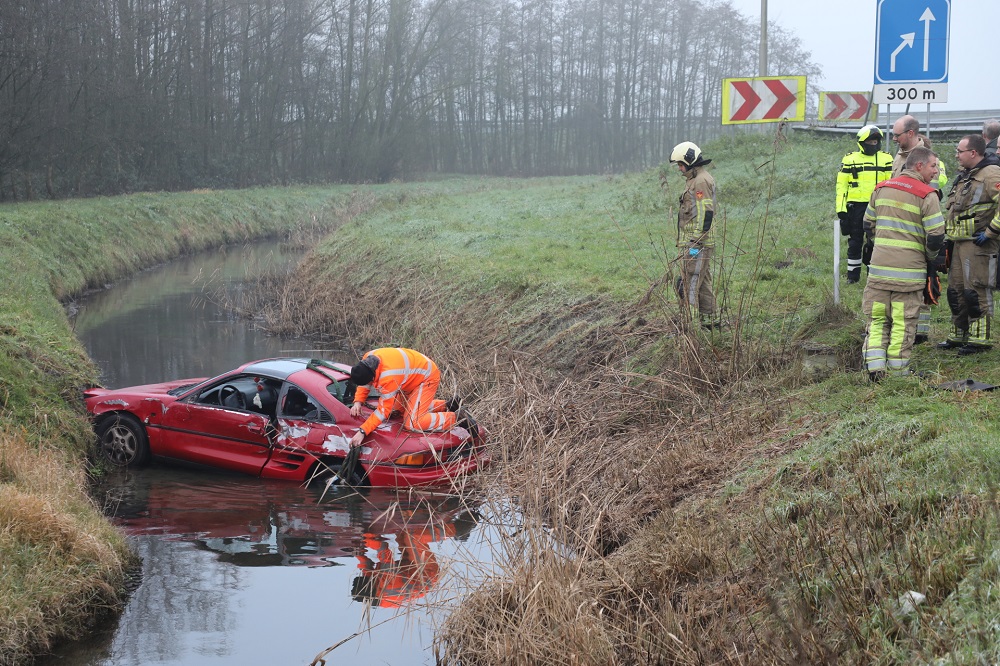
980 238
866 252
932 287
842 216
845 225
940 263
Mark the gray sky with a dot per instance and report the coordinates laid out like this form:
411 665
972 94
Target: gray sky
840 34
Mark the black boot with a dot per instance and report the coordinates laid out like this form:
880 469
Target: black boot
968 350
854 276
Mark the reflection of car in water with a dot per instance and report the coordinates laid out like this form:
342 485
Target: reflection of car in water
265 523
285 418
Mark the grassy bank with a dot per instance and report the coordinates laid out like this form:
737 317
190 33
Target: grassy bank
722 504
61 563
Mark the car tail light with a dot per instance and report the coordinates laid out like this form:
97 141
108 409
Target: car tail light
415 459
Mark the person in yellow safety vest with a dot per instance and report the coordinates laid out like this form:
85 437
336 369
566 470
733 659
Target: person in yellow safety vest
406 378
695 214
971 205
904 222
860 171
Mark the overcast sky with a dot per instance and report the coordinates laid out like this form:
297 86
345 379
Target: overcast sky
841 37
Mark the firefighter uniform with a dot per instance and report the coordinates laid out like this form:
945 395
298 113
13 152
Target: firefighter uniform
969 208
859 173
904 220
695 213
409 379
924 320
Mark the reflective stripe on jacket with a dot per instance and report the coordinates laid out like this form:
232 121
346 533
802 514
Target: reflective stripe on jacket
858 176
904 217
972 201
697 199
399 369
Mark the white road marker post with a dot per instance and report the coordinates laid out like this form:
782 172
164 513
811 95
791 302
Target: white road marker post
836 262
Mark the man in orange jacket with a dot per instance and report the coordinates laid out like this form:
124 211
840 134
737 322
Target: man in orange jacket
407 375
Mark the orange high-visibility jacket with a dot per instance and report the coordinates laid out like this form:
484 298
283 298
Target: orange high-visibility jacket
399 370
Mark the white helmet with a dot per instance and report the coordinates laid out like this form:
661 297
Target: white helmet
687 153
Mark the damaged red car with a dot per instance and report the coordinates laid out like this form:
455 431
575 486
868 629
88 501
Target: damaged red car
282 418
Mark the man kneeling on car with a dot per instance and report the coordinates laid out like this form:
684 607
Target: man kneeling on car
411 376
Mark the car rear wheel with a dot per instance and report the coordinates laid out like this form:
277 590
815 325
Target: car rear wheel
123 441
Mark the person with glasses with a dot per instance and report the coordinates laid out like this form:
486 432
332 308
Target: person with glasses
906 134
969 209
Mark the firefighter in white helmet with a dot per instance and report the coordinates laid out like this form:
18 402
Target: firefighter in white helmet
694 226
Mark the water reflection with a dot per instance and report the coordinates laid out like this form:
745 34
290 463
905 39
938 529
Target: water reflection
249 571
166 323
260 572
258 523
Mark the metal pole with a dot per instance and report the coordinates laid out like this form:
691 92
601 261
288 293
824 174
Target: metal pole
763 37
836 261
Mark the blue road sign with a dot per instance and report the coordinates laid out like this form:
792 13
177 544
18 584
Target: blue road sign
911 41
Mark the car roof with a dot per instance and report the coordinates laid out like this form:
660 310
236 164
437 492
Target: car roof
283 368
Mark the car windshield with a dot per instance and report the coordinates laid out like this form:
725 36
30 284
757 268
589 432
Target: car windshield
180 390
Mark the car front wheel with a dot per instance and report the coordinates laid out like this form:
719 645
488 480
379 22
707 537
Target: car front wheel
123 441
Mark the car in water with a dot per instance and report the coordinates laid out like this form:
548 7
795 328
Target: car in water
280 418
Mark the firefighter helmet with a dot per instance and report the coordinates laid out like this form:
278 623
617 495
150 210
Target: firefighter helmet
688 154
870 133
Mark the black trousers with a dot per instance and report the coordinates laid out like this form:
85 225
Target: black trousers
854 228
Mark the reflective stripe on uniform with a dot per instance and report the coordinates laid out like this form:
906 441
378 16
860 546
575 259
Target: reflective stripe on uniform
902 274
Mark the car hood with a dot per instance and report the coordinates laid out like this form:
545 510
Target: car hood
146 389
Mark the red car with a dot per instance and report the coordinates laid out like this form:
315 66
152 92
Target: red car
281 418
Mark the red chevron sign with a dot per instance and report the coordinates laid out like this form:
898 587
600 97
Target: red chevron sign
843 105
763 99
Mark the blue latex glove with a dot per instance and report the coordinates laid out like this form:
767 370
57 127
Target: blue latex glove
980 238
695 250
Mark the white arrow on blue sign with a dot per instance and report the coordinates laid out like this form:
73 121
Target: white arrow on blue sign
911 41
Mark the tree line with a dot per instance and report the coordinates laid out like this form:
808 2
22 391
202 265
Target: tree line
110 96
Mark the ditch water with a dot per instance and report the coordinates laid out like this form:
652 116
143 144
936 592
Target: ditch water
237 570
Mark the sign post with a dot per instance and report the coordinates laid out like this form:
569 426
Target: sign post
911 51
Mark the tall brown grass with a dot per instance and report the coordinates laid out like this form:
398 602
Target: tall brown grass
51 540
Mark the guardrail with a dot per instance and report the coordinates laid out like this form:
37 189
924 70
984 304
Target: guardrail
935 123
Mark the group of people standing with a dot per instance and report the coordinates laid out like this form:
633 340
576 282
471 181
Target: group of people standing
903 220
902 225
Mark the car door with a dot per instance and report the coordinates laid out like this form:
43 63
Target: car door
304 423
221 425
